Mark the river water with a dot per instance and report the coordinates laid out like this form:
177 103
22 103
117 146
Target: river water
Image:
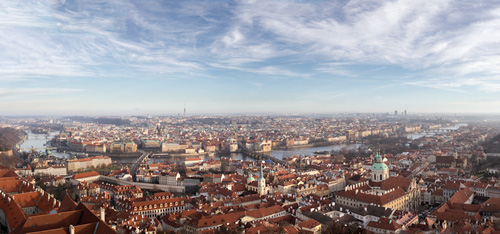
431 133
280 154
40 141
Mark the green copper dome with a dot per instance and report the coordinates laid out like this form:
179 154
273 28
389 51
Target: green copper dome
379 164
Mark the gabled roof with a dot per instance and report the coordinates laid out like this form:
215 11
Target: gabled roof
395 182
386 224
311 223
445 159
85 175
67 204
83 220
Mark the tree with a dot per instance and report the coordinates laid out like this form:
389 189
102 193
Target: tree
340 228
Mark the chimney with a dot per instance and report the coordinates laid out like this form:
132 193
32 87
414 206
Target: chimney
103 214
71 229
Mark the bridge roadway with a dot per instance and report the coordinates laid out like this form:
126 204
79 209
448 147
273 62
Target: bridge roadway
260 156
138 162
148 186
47 148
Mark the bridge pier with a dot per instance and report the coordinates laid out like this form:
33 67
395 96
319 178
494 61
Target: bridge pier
260 156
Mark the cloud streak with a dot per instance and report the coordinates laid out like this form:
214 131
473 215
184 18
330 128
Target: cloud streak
73 45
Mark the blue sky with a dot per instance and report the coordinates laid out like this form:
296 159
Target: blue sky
117 57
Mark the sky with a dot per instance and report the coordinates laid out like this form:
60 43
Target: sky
119 57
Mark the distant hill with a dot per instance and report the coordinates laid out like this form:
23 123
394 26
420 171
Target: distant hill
100 120
9 137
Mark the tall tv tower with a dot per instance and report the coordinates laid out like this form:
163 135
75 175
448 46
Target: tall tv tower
184 109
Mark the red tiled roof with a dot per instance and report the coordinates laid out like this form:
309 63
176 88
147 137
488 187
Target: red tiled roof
85 175
370 198
311 223
82 219
395 182
385 223
67 204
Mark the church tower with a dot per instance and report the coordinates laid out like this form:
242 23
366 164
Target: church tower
380 171
261 182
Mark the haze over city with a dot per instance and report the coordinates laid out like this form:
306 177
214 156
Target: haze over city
138 57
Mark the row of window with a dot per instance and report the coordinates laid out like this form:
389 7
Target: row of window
161 205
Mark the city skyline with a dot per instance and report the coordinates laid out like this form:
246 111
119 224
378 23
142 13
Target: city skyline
134 58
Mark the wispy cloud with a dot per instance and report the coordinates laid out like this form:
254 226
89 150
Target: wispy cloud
335 68
66 41
35 91
484 84
257 84
440 36
263 70
442 44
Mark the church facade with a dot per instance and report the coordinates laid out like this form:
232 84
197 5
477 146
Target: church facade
395 192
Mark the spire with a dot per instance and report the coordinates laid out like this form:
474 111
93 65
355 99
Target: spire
261 177
378 158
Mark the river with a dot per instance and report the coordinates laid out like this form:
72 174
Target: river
280 154
431 133
39 141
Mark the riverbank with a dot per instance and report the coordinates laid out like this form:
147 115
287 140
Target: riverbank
317 144
112 155
188 155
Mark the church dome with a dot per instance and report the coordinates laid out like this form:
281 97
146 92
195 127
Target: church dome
380 166
379 163
250 178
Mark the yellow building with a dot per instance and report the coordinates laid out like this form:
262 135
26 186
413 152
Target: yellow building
86 163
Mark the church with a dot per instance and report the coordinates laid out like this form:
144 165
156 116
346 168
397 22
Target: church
259 186
395 192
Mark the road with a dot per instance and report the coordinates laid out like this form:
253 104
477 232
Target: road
138 162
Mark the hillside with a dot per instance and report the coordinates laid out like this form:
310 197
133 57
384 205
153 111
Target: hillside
8 138
100 120
492 145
